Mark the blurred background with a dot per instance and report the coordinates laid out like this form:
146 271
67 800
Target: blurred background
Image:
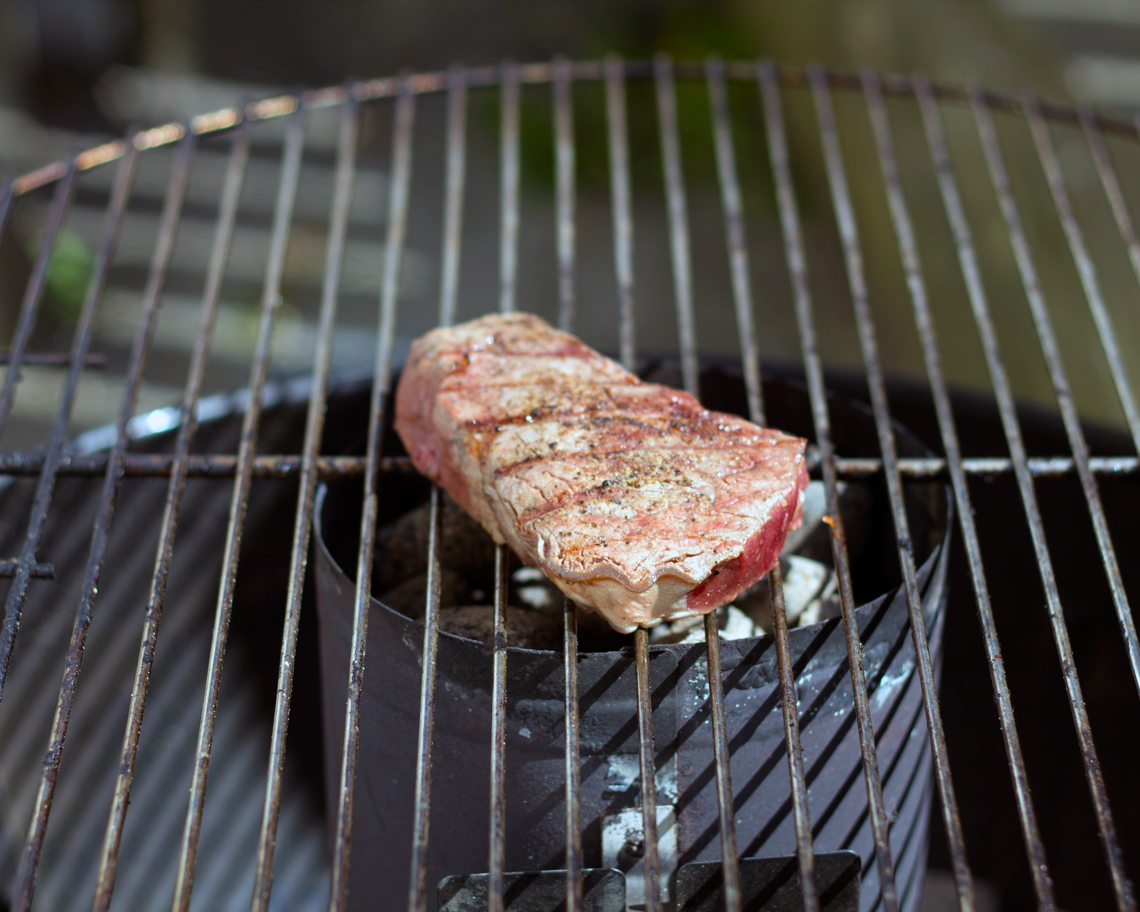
62 59
73 72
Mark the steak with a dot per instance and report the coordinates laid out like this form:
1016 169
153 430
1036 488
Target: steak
632 498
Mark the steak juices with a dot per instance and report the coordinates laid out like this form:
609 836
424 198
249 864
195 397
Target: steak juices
634 500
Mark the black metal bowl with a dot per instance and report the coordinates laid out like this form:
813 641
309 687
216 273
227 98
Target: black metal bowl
686 795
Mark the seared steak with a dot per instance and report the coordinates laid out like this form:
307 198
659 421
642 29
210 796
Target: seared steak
631 497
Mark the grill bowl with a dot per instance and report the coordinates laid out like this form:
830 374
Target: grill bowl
686 781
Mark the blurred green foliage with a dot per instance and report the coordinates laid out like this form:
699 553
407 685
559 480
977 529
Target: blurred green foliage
69 271
954 40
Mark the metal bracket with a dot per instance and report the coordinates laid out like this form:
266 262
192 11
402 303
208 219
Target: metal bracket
773 884
603 890
39 571
623 847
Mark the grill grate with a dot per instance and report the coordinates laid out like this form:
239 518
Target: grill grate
309 467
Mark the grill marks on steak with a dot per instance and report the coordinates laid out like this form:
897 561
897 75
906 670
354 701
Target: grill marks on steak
632 498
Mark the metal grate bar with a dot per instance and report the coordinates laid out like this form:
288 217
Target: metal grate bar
508 278
888 717
845 217
429 83
314 429
1078 445
679 246
7 194
160 262
55 359
225 465
622 205
334 468
1085 268
389 297
573 760
1107 174
1002 392
417 889
11 568
788 706
188 424
456 181
990 467
1072 420
651 859
239 502
34 291
682 284
25 567
734 232
342 850
730 856
750 357
417 886
498 824
564 167
623 266
813 367
1034 847
509 188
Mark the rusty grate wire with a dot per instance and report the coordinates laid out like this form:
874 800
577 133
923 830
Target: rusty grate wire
771 84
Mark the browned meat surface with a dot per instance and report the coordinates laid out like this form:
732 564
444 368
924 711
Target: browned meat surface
633 499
